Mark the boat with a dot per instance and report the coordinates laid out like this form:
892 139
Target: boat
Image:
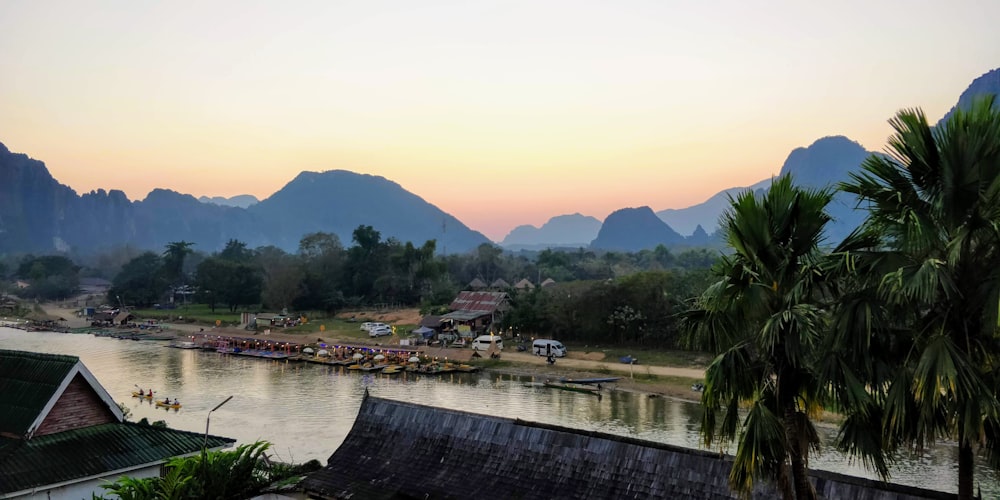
467 368
185 344
597 380
161 404
373 368
586 388
135 394
392 369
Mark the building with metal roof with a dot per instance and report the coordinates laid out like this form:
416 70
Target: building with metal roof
62 435
476 309
404 450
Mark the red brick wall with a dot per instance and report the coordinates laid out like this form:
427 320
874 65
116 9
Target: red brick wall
79 406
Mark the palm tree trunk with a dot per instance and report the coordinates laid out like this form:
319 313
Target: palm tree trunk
966 460
797 455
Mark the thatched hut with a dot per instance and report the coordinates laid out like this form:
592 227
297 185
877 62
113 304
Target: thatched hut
403 450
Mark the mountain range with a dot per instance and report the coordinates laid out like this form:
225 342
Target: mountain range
822 164
38 214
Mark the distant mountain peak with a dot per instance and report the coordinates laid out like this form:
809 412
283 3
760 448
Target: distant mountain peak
570 230
240 200
634 229
985 84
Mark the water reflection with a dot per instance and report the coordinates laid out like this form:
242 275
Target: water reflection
306 410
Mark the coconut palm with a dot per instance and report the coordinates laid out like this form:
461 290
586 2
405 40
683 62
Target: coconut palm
765 318
933 234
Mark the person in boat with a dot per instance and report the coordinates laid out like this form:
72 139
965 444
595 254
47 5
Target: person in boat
140 393
176 403
166 401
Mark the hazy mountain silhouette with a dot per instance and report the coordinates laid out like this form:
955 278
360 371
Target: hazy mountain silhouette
573 230
38 214
339 201
987 83
633 229
240 200
824 163
705 214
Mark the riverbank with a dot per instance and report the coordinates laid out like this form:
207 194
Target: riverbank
656 381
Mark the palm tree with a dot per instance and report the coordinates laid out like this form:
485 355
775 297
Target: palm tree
933 236
765 317
173 260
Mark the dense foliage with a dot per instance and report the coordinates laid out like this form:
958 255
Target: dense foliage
764 319
236 474
928 258
325 276
51 277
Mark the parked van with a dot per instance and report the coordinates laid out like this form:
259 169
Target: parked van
483 342
544 347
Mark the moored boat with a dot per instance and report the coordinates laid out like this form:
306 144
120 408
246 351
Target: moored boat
598 380
589 389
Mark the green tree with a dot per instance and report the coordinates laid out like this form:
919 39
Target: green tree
52 277
764 318
173 261
322 259
366 262
235 284
933 240
283 275
141 282
236 251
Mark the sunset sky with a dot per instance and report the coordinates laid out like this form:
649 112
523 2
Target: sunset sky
500 113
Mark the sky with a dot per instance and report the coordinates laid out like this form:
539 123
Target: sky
500 113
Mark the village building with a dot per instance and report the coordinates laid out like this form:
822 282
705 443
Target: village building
476 284
524 284
476 312
404 450
63 436
499 284
547 283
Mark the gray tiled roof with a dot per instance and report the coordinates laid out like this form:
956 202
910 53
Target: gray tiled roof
403 450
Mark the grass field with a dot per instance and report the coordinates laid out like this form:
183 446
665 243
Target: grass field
194 313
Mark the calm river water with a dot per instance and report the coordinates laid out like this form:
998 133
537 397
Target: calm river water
305 410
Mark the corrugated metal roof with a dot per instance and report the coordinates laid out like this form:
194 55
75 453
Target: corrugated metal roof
92 451
28 380
464 315
487 302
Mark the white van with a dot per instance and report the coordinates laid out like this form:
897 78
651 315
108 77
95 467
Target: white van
483 343
544 347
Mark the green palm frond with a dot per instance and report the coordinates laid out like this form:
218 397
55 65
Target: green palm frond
761 450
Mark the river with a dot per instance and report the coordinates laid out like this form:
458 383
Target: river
305 410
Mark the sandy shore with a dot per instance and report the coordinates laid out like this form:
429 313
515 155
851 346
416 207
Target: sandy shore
665 381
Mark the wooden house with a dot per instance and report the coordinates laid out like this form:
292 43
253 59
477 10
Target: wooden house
476 310
404 450
63 436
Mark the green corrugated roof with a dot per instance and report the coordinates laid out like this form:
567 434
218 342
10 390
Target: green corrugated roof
92 451
27 382
465 315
